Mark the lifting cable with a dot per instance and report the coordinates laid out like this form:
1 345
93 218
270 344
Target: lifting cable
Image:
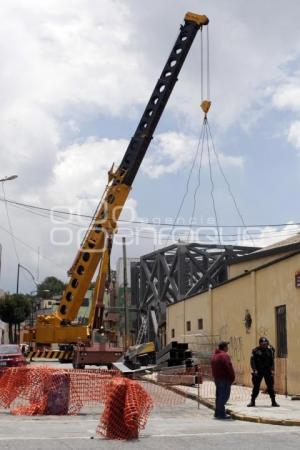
212 183
200 140
202 130
207 63
205 105
208 150
198 184
228 186
200 143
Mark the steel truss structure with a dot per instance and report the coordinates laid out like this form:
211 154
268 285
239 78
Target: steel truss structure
174 273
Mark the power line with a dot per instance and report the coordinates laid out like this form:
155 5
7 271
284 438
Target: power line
45 215
238 235
278 234
234 237
30 247
10 225
145 222
267 233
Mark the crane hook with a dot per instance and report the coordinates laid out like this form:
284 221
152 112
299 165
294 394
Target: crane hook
205 105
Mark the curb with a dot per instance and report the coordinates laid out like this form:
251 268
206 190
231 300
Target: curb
236 416
203 402
265 420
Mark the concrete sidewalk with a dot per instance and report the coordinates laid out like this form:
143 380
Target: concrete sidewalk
287 414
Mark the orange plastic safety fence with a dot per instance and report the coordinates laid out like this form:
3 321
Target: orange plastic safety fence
44 390
126 411
162 396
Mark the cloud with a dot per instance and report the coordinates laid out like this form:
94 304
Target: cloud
62 54
287 95
77 182
294 134
174 152
80 171
266 236
64 65
29 142
74 71
243 59
67 63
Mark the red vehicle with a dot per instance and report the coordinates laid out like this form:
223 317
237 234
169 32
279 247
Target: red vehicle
11 356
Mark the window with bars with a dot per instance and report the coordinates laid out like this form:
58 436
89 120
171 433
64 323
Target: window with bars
281 331
188 325
200 324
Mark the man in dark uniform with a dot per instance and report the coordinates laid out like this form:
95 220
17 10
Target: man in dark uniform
262 365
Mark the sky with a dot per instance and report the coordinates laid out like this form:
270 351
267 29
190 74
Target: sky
75 78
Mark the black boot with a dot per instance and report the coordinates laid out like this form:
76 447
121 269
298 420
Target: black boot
252 403
274 403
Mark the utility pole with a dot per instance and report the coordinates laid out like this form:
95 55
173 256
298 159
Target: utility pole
125 293
2 180
18 276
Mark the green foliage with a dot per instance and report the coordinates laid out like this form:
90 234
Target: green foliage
15 308
50 287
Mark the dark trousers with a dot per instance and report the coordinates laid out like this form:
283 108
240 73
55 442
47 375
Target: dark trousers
257 379
223 388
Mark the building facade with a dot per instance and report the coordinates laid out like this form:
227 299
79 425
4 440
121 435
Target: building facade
260 298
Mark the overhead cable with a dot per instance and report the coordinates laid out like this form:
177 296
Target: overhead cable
9 224
147 222
267 232
30 247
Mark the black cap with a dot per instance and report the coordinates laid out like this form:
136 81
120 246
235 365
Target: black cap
263 340
222 344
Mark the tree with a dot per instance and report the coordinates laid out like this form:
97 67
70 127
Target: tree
50 287
15 309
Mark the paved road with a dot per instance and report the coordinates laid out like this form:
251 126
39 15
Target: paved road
180 427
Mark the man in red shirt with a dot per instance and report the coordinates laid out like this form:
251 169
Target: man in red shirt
223 374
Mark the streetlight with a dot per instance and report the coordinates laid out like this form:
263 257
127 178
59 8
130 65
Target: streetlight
11 177
18 276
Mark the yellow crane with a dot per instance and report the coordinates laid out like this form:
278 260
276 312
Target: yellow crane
60 327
